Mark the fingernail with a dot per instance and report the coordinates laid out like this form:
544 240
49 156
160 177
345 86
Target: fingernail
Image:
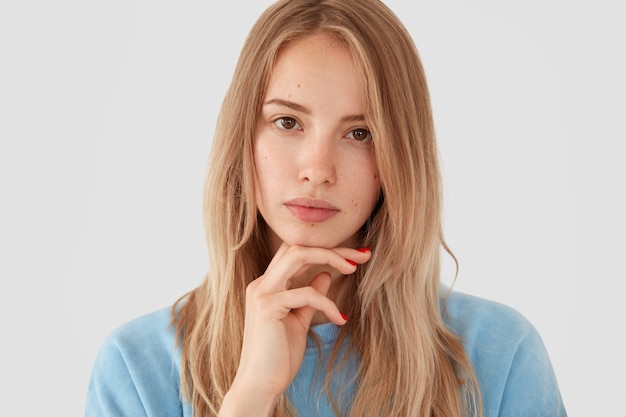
343 316
351 262
364 250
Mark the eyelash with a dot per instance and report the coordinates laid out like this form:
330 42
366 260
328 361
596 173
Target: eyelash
368 136
280 124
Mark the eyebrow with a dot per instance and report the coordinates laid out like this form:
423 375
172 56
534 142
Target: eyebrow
306 110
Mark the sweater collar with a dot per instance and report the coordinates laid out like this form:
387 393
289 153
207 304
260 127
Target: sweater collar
326 332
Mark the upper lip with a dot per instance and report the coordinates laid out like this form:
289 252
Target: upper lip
311 202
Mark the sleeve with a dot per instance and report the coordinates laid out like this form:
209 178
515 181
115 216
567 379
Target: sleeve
511 363
112 390
531 388
137 372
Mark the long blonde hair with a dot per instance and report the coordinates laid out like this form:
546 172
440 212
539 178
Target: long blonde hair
410 363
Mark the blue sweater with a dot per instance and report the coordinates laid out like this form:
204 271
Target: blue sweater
137 371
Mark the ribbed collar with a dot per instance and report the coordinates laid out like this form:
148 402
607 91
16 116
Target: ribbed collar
327 333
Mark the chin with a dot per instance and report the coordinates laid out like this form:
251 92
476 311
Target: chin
319 240
312 243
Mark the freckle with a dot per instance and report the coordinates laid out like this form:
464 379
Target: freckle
298 85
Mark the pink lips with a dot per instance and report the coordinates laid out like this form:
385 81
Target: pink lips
311 210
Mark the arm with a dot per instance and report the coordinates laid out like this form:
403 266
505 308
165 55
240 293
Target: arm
137 372
531 388
112 390
510 361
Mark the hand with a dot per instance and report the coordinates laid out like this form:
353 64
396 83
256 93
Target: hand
278 318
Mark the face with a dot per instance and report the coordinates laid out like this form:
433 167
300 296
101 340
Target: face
316 176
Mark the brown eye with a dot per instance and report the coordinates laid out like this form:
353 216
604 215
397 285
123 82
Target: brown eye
360 134
286 123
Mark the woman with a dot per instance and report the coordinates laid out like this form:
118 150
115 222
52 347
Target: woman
323 222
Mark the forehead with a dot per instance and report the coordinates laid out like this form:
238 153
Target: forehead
317 64
318 38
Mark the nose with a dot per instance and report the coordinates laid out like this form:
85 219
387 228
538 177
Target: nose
317 163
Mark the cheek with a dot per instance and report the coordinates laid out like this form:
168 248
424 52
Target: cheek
261 158
375 190
260 161
372 178
366 188
375 186
269 166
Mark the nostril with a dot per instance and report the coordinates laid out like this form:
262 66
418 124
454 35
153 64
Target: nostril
317 164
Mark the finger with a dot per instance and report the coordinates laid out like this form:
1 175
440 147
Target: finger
358 256
306 298
278 255
296 259
275 260
321 283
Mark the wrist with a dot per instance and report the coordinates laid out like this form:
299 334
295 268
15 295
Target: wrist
242 402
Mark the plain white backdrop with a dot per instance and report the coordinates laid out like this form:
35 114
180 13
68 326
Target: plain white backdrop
107 111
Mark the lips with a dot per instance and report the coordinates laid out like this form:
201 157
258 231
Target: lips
311 210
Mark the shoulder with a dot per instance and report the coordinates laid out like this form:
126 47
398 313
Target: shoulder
148 339
509 358
147 332
479 320
137 369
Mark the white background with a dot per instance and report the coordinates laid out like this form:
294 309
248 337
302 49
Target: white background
106 115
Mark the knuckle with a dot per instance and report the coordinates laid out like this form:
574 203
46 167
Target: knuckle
257 301
261 300
313 296
296 252
310 291
251 288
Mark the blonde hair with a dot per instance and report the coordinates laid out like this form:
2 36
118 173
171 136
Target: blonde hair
410 363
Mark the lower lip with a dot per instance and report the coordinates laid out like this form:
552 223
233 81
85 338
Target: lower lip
311 214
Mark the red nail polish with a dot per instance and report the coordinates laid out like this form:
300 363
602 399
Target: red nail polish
343 316
351 262
364 250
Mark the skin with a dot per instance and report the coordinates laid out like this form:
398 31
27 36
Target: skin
311 142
